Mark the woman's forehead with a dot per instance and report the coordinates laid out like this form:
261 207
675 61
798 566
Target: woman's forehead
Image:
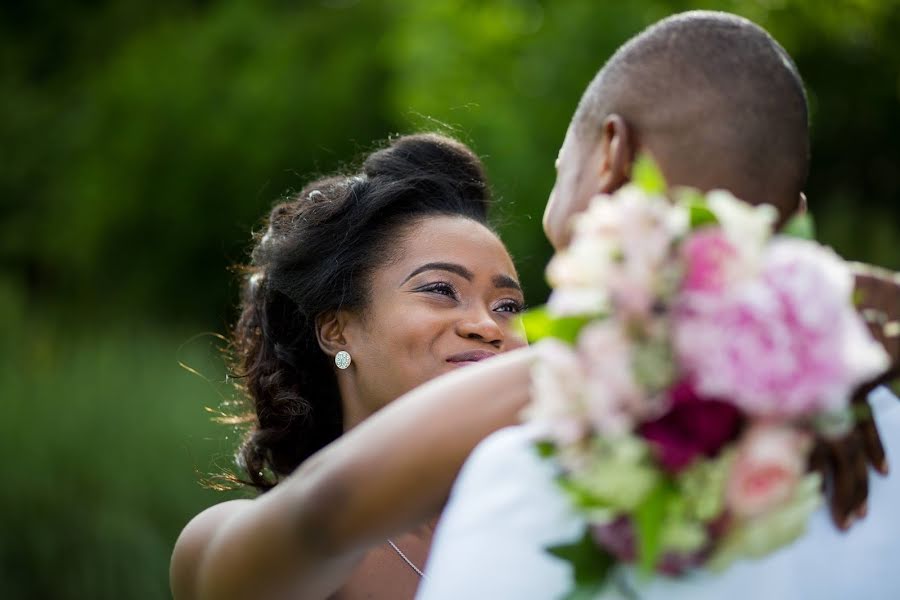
454 239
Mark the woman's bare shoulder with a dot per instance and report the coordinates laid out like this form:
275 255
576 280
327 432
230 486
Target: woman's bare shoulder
193 542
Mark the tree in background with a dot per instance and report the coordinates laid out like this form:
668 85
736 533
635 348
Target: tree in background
144 140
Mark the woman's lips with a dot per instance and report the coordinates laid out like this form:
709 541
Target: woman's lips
470 357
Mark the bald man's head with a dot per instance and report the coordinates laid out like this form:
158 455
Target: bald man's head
712 97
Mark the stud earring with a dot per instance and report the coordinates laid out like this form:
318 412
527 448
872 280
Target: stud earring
342 359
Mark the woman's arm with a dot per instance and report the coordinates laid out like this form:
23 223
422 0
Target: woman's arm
390 473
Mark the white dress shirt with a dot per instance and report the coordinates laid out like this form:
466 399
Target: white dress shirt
505 509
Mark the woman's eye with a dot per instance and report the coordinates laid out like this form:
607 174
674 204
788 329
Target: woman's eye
510 306
444 289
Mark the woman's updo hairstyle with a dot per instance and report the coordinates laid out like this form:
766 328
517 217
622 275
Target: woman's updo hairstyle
316 254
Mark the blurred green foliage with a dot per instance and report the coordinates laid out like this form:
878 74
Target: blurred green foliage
105 443
144 140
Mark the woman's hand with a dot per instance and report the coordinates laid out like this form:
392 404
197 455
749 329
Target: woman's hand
844 462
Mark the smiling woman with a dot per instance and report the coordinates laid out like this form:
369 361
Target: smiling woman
360 289
446 300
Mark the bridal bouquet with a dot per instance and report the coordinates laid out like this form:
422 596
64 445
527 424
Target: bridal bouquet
702 353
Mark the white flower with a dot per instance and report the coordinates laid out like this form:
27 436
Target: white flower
557 388
574 301
613 398
746 226
618 254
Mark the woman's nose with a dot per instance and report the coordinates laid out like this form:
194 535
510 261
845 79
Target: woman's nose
479 324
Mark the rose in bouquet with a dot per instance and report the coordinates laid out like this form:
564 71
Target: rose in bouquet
701 354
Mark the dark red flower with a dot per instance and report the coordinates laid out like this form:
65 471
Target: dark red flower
692 427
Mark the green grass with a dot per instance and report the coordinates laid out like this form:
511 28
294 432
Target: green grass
104 441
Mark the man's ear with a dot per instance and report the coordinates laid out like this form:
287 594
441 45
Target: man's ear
616 154
330 331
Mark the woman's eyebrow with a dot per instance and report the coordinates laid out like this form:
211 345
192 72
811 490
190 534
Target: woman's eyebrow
505 281
443 266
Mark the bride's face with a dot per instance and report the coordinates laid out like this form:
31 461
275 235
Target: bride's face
447 299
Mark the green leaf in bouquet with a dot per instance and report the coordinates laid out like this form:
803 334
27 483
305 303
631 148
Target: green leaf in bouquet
838 422
580 495
647 176
618 475
700 216
518 325
801 226
649 519
545 448
702 485
591 565
682 534
653 364
699 213
538 324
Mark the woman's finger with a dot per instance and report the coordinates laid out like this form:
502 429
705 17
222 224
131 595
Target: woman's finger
871 443
859 469
848 491
867 428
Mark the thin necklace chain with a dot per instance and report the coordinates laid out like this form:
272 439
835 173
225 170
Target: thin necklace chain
406 560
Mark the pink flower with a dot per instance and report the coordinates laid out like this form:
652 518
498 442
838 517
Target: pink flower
771 460
693 427
787 343
709 260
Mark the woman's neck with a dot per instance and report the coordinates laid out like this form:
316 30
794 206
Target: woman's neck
353 415
353 409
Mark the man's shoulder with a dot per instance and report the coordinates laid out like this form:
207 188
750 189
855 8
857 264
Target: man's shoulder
506 465
504 510
508 453
509 441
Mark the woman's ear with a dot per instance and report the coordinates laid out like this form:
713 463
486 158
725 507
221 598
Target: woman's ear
330 331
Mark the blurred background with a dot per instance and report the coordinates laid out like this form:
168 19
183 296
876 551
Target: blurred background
143 141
